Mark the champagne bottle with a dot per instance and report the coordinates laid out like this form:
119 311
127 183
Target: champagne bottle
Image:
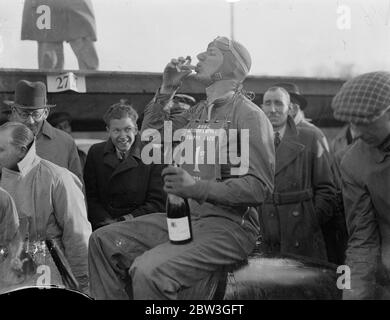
178 219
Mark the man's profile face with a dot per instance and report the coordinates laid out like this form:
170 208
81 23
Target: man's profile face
32 118
122 132
10 155
373 133
276 106
209 63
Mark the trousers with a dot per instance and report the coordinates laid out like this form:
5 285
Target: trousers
51 54
134 259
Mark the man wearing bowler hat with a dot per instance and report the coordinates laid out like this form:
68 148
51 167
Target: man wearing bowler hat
364 101
30 107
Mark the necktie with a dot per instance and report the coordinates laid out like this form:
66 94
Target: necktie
123 156
277 139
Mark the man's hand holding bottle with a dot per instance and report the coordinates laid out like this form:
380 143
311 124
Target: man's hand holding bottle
178 182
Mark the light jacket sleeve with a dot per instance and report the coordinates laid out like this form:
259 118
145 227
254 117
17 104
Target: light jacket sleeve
363 249
71 214
9 221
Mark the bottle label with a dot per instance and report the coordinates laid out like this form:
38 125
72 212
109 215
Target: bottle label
179 229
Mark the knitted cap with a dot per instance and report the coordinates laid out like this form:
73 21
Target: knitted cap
363 99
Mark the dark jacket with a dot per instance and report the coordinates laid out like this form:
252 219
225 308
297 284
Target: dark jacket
69 20
304 196
335 229
366 191
115 189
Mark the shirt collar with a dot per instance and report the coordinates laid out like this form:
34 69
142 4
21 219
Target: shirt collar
282 131
135 149
119 153
221 90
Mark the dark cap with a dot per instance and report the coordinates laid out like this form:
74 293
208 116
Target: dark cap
363 99
293 91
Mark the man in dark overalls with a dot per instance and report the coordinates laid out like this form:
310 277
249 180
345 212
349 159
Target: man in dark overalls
222 195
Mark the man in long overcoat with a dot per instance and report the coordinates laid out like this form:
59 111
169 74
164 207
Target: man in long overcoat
304 192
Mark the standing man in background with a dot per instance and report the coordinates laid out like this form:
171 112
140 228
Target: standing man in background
51 22
334 230
63 121
304 194
298 105
30 107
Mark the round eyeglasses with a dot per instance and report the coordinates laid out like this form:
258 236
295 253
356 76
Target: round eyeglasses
36 114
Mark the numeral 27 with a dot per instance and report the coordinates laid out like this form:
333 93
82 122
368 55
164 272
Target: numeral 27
62 82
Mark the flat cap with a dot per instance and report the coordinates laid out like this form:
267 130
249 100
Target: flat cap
363 99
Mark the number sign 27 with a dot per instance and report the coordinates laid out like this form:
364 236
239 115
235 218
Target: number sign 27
66 81
62 82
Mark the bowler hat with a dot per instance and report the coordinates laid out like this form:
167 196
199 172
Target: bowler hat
293 91
30 95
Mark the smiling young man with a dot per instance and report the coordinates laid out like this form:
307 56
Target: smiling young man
119 186
364 102
224 219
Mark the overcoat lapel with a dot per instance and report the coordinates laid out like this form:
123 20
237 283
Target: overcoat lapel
110 158
289 147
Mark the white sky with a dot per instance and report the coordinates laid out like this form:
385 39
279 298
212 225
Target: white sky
284 37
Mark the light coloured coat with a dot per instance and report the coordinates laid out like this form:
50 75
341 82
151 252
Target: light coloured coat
50 198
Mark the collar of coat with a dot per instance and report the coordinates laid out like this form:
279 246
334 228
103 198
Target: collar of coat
381 153
47 129
289 148
221 90
25 165
111 158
